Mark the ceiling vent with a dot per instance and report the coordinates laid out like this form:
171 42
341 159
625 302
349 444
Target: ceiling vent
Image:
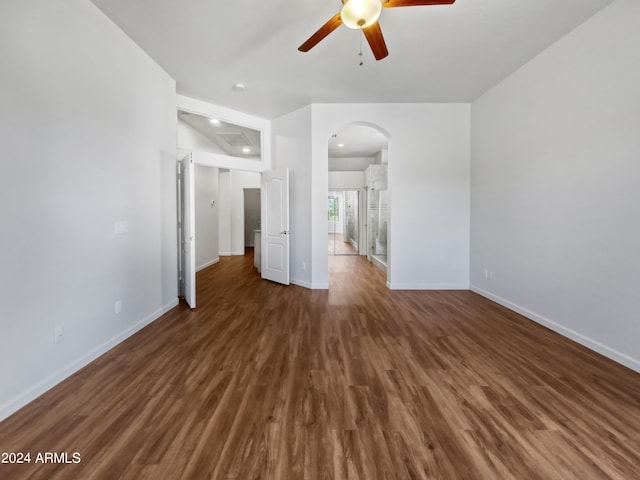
235 139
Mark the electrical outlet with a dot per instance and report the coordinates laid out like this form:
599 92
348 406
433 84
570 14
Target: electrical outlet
58 334
118 307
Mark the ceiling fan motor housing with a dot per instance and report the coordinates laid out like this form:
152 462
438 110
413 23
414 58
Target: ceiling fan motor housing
359 14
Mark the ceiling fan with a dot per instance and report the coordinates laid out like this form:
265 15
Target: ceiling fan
363 15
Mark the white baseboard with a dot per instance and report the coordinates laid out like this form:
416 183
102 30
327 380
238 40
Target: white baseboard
309 285
52 380
427 286
590 343
208 264
300 283
378 263
224 254
238 252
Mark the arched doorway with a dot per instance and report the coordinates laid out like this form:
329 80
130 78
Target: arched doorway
358 195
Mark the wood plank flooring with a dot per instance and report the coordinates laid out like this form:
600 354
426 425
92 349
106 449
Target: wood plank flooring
264 381
337 245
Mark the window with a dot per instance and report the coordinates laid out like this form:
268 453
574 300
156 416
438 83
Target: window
334 209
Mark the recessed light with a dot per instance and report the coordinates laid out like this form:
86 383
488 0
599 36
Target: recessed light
214 121
239 87
246 150
341 145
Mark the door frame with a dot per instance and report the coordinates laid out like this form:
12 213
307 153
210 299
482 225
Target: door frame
186 230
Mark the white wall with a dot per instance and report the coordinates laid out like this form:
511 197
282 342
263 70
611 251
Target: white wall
556 186
429 190
189 139
346 180
292 149
382 157
206 191
350 164
88 128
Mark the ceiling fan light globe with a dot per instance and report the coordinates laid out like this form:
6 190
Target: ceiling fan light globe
358 14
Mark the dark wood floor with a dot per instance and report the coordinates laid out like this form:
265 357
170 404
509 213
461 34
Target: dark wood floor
264 381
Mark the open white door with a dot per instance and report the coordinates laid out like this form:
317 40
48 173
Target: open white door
188 231
275 225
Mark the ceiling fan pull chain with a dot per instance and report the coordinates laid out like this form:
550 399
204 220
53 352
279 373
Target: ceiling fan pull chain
360 54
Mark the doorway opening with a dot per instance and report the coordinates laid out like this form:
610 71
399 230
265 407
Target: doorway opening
227 156
252 222
344 222
358 196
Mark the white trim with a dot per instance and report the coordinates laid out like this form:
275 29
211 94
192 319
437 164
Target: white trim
309 285
227 114
225 254
378 263
300 283
52 380
238 252
208 264
626 360
427 286
219 160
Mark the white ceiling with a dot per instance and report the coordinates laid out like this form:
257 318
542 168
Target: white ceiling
231 138
354 147
448 53
356 141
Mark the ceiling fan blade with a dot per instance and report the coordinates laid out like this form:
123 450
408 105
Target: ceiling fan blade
376 41
324 30
415 3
